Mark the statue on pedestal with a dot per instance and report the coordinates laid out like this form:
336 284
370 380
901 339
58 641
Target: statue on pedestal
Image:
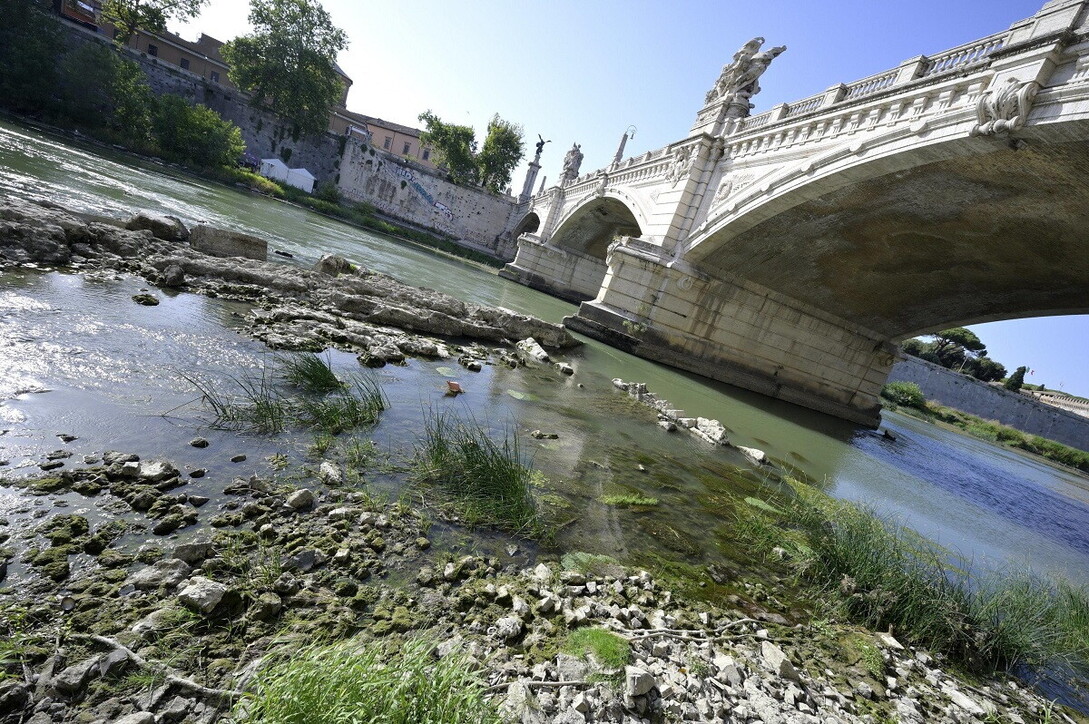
571 163
540 147
738 81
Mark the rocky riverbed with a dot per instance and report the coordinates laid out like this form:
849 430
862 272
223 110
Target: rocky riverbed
166 611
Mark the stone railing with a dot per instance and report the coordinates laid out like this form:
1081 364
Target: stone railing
805 105
916 71
965 55
871 85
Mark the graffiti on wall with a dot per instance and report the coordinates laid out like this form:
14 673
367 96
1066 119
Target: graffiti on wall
409 176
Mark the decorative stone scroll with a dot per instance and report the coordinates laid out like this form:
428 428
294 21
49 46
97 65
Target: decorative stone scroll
1004 109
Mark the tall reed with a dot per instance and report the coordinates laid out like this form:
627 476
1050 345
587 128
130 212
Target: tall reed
486 478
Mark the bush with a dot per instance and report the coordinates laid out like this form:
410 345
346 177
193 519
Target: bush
196 134
907 394
29 39
350 682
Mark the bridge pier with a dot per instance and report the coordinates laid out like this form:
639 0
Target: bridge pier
737 332
561 272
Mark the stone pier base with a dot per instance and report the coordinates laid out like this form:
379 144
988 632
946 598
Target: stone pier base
736 332
563 273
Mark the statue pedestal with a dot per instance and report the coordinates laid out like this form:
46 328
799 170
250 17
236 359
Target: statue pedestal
531 177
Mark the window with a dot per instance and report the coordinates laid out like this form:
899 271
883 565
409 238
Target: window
406 149
389 143
426 154
153 51
215 76
185 63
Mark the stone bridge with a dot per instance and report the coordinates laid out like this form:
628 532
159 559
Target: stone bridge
790 252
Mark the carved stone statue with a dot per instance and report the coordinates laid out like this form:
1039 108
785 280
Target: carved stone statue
571 163
738 80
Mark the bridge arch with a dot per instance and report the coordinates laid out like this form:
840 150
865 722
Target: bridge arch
529 224
903 241
590 227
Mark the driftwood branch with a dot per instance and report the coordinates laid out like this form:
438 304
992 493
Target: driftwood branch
172 677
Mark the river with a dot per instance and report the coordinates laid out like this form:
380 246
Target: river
78 357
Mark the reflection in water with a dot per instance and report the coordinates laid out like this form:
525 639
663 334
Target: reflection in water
107 358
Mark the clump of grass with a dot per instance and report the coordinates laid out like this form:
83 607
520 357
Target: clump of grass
608 649
349 682
310 373
259 406
887 577
633 499
486 478
356 406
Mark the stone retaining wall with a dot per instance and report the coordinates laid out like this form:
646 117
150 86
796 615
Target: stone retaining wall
993 403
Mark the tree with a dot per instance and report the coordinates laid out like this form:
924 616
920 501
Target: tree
128 15
953 346
454 145
1016 380
985 369
501 152
102 90
28 48
456 150
288 63
196 134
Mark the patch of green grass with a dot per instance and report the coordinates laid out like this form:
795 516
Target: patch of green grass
356 406
862 649
887 577
350 682
257 406
907 394
310 373
608 649
485 478
629 500
592 564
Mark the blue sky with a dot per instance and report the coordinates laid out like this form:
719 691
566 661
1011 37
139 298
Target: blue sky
584 70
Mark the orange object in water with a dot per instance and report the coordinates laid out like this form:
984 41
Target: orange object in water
453 388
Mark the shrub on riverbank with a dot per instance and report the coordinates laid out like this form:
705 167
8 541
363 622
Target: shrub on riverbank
907 394
888 578
486 478
352 682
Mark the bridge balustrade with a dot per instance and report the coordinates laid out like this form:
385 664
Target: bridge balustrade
965 55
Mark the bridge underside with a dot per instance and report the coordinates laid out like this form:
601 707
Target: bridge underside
807 305
965 240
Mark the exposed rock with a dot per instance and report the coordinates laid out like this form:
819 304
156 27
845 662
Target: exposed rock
530 348
147 300
224 243
301 499
759 457
167 228
169 573
333 265
637 681
203 594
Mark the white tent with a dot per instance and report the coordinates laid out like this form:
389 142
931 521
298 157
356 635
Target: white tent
274 169
300 178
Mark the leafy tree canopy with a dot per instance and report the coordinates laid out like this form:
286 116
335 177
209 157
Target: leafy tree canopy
128 15
456 149
1016 380
502 150
288 63
454 145
28 46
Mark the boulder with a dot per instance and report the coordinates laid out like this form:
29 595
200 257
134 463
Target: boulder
167 573
333 265
224 243
637 682
167 228
203 594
